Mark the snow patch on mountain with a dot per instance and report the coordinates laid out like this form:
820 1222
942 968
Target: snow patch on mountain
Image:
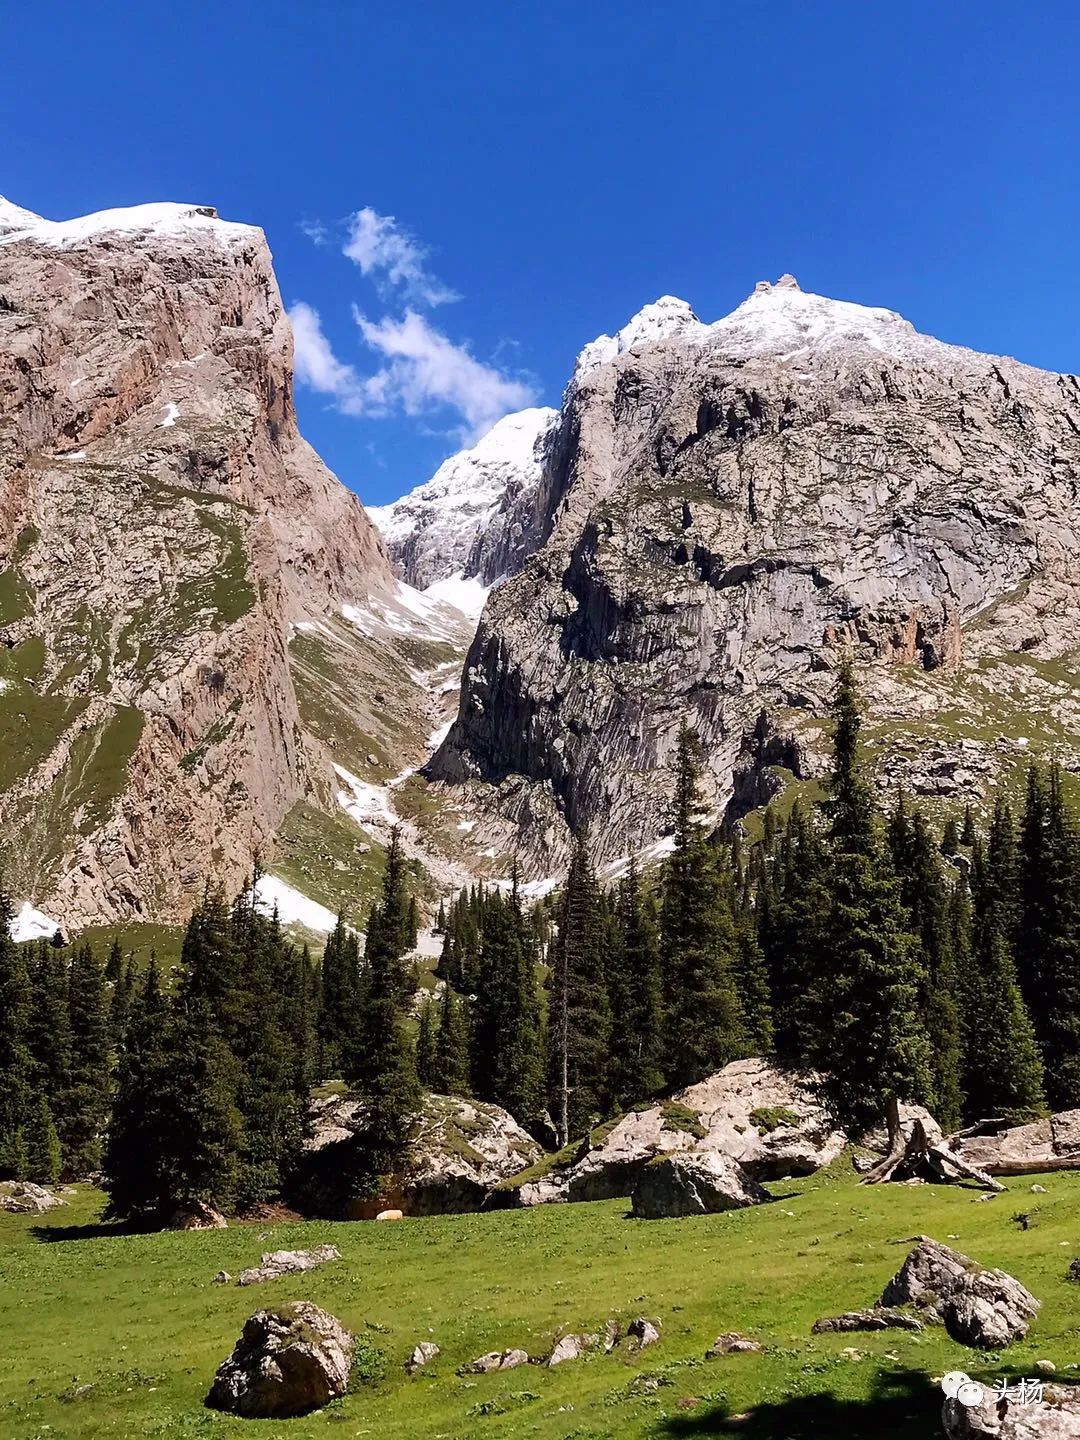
661 320
32 924
433 531
159 219
292 906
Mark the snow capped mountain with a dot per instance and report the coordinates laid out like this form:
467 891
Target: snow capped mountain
165 218
438 530
661 320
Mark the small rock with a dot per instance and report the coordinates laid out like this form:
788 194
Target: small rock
287 1362
732 1343
570 1347
1073 1272
422 1355
389 1215
198 1216
611 1336
643 1332
1046 1366
1038 1189
222 1278
850 1353
495 1360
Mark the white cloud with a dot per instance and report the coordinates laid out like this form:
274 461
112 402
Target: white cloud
423 372
426 371
393 259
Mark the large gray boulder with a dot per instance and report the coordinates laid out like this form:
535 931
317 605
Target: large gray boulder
1049 1144
458 1153
1053 1414
287 1362
772 1121
23 1197
984 1308
693 1184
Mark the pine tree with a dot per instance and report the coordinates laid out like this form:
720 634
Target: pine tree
1048 938
792 920
578 1018
925 897
84 1110
48 1032
339 1017
450 1074
114 965
16 1060
950 838
43 1159
635 996
440 919
135 1162
120 1003
877 1048
383 1068
205 1132
1001 1069
698 939
425 1043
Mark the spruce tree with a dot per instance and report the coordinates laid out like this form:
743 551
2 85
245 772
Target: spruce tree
383 1067
84 1109
450 1074
792 918
578 1017
43 1159
635 996
425 1043
698 939
925 897
1048 939
873 976
135 1159
16 1061
1001 1069
114 965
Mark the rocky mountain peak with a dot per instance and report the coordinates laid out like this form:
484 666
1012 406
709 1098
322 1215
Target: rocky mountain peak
461 521
131 222
664 318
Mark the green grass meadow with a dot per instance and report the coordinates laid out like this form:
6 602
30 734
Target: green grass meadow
109 1334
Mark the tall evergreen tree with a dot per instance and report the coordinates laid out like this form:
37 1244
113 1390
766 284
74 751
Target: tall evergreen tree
43 1157
925 897
425 1043
578 1017
635 996
698 938
16 1061
1001 1070
84 1110
450 1074
877 1048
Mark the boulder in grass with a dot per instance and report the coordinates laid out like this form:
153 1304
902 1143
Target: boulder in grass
689 1183
495 1360
642 1333
732 1343
572 1347
23 1197
287 1262
287 1362
422 1355
984 1308
1053 1414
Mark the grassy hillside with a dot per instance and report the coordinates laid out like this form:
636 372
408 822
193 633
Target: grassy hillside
118 1335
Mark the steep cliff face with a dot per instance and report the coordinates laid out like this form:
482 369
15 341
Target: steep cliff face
724 509
161 524
471 518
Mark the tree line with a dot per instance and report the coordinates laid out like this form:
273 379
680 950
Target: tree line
941 968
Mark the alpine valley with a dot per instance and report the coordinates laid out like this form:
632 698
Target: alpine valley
210 651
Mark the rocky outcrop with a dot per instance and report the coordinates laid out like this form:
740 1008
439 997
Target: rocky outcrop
1000 1149
276 1263
693 1184
287 1362
1043 1413
470 518
458 1152
773 1122
23 1197
727 508
161 524
984 1308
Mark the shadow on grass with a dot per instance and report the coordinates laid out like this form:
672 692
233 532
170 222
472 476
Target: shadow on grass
902 1406
94 1230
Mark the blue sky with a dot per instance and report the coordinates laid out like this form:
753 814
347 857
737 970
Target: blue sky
558 165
